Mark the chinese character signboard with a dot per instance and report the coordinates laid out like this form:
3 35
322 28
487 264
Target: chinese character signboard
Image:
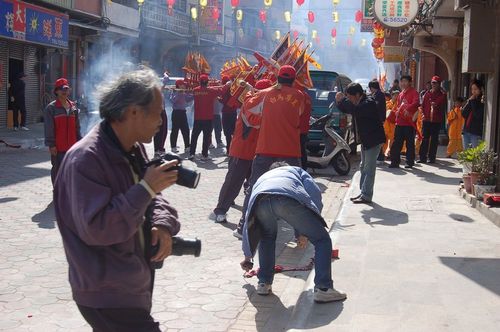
26 22
212 18
395 14
367 20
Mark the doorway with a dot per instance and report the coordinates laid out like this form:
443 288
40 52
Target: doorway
16 67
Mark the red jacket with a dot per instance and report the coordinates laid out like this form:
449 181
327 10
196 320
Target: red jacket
246 133
434 114
204 98
224 99
306 116
408 102
62 128
280 109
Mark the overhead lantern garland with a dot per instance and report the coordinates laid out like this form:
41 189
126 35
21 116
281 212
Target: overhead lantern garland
378 41
334 32
268 3
310 16
335 16
194 13
358 16
170 7
295 34
235 3
263 16
335 2
288 16
277 34
300 2
239 15
216 13
203 3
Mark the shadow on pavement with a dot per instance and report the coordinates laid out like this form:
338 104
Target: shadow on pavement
21 166
483 271
46 218
460 217
434 178
380 215
8 199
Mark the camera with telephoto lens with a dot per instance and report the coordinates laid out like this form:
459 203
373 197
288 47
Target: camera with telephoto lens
180 247
186 177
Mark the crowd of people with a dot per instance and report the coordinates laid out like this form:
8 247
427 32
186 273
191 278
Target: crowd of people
108 202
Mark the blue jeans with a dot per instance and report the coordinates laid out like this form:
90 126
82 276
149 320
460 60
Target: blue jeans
470 140
367 168
268 211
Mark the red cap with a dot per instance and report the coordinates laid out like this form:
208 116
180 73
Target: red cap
225 79
178 83
263 84
436 79
288 72
204 78
61 83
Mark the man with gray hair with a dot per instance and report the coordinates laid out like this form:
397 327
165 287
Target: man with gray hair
102 196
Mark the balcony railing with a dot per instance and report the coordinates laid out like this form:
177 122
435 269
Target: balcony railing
60 3
156 16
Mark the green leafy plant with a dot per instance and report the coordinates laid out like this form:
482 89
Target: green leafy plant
471 157
486 166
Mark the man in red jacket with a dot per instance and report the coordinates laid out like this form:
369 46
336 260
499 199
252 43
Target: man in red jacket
241 154
434 106
62 126
408 102
204 99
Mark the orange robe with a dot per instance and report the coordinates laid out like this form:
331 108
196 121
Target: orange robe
420 124
389 127
455 125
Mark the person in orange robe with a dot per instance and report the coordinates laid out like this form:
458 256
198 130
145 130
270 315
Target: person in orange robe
455 125
390 121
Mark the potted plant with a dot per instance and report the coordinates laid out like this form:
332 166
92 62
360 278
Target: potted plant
470 160
487 179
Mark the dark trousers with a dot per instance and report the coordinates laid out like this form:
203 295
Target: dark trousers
161 135
260 165
228 125
119 319
430 141
303 151
56 162
179 122
199 126
15 112
217 126
401 135
238 170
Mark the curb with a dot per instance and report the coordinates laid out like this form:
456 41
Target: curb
305 304
492 214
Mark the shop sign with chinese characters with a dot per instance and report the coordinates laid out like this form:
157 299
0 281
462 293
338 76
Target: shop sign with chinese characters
26 22
395 14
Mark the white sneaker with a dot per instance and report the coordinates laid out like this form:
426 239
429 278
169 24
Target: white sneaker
330 295
237 234
25 128
221 145
175 149
211 146
220 218
264 289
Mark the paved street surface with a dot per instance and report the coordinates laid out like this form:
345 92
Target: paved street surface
191 294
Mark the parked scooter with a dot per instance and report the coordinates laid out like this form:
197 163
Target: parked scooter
326 147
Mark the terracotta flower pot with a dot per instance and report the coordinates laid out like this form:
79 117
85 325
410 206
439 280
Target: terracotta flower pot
474 179
467 183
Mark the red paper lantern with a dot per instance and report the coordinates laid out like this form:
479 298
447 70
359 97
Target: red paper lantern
216 13
358 16
295 34
334 32
379 41
310 16
263 15
170 7
235 3
259 33
377 25
300 2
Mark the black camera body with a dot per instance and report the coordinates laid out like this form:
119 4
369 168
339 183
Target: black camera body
187 177
180 247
